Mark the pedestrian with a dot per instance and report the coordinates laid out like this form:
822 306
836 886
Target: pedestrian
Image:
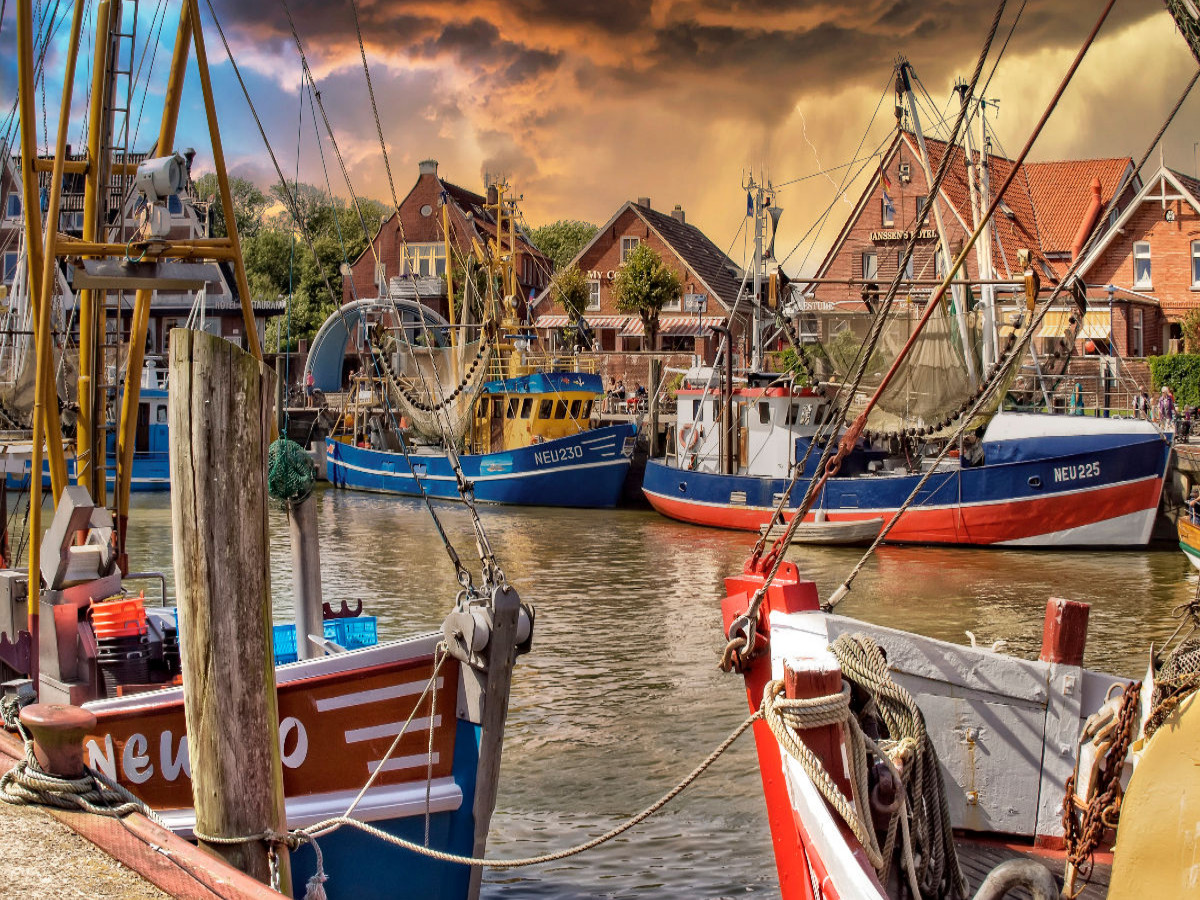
1077 400
1146 411
1166 408
309 384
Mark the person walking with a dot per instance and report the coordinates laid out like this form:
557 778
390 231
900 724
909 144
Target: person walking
1166 408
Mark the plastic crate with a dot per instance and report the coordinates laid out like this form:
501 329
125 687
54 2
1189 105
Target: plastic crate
360 631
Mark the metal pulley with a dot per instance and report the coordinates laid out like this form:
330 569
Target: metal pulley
468 631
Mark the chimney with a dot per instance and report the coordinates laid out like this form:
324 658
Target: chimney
427 167
1089 219
677 214
644 202
493 195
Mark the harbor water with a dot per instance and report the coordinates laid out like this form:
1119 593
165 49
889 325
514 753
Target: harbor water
621 696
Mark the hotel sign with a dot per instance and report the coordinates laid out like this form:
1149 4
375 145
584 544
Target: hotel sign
925 234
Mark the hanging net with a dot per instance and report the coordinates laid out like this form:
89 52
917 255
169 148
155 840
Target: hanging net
435 387
290 471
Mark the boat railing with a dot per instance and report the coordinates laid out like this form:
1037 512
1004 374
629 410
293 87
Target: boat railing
532 364
151 576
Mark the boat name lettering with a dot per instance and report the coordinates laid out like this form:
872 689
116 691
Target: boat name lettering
1074 473
550 457
138 766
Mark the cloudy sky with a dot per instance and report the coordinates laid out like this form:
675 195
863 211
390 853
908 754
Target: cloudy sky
583 104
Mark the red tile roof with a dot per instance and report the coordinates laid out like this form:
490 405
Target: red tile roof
1062 192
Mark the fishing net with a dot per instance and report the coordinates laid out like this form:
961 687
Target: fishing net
290 471
436 387
1177 678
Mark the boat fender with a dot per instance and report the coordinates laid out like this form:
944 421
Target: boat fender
1015 873
689 436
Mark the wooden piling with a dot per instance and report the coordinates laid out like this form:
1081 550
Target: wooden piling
220 421
306 575
655 379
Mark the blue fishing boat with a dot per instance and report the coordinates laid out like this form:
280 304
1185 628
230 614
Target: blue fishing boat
547 454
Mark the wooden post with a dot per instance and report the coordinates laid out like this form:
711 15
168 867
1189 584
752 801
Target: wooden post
306 574
501 654
220 420
655 379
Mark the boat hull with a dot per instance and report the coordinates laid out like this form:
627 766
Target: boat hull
338 716
584 470
1189 541
151 472
1093 491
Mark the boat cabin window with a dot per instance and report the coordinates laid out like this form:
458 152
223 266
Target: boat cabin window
575 404
696 413
764 413
513 403
792 413
526 407
560 409
497 407
160 413
544 409
483 407
587 409
716 410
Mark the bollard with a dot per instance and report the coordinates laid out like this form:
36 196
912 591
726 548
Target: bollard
1064 632
58 731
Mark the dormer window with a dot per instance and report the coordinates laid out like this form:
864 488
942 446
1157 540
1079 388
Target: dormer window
1141 265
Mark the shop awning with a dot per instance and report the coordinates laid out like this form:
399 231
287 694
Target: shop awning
674 326
1095 324
594 322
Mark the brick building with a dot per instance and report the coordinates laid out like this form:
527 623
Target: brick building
711 281
411 247
1051 209
1150 259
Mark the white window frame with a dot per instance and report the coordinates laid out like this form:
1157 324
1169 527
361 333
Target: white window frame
1141 251
628 245
381 279
939 266
1195 265
425 260
887 212
593 303
922 199
874 256
675 305
908 269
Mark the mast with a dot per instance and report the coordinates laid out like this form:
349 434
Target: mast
982 249
960 312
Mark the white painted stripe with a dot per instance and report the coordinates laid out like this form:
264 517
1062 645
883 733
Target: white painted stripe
375 695
598 440
550 470
399 763
389 729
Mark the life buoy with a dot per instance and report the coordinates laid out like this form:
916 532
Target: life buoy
689 437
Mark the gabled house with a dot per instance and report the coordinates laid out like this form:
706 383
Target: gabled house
711 282
1151 257
407 256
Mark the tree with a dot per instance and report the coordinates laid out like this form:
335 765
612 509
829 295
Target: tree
249 204
644 285
570 289
1191 331
562 240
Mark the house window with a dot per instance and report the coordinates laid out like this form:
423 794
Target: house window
939 264
426 260
13 208
381 278
920 206
675 305
870 265
593 295
906 264
10 265
1196 264
628 245
1137 333
888 215
1141 264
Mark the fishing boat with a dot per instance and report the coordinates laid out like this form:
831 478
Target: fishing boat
523 423
1029 480
402 735
1189 539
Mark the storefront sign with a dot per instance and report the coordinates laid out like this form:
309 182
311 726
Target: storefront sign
925 234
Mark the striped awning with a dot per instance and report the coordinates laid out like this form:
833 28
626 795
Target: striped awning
1095 324
594 322
674 326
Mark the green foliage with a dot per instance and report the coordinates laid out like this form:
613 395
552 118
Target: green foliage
788 361
569 288
1191 331
1181 373
249 204
842 351
644 285
562 240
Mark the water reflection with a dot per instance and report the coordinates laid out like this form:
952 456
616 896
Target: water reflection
621 696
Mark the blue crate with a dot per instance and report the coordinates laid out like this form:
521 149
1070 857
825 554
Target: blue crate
360 631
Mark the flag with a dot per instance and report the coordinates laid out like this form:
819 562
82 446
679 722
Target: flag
885 181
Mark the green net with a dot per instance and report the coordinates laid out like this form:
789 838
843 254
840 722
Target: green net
290 471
